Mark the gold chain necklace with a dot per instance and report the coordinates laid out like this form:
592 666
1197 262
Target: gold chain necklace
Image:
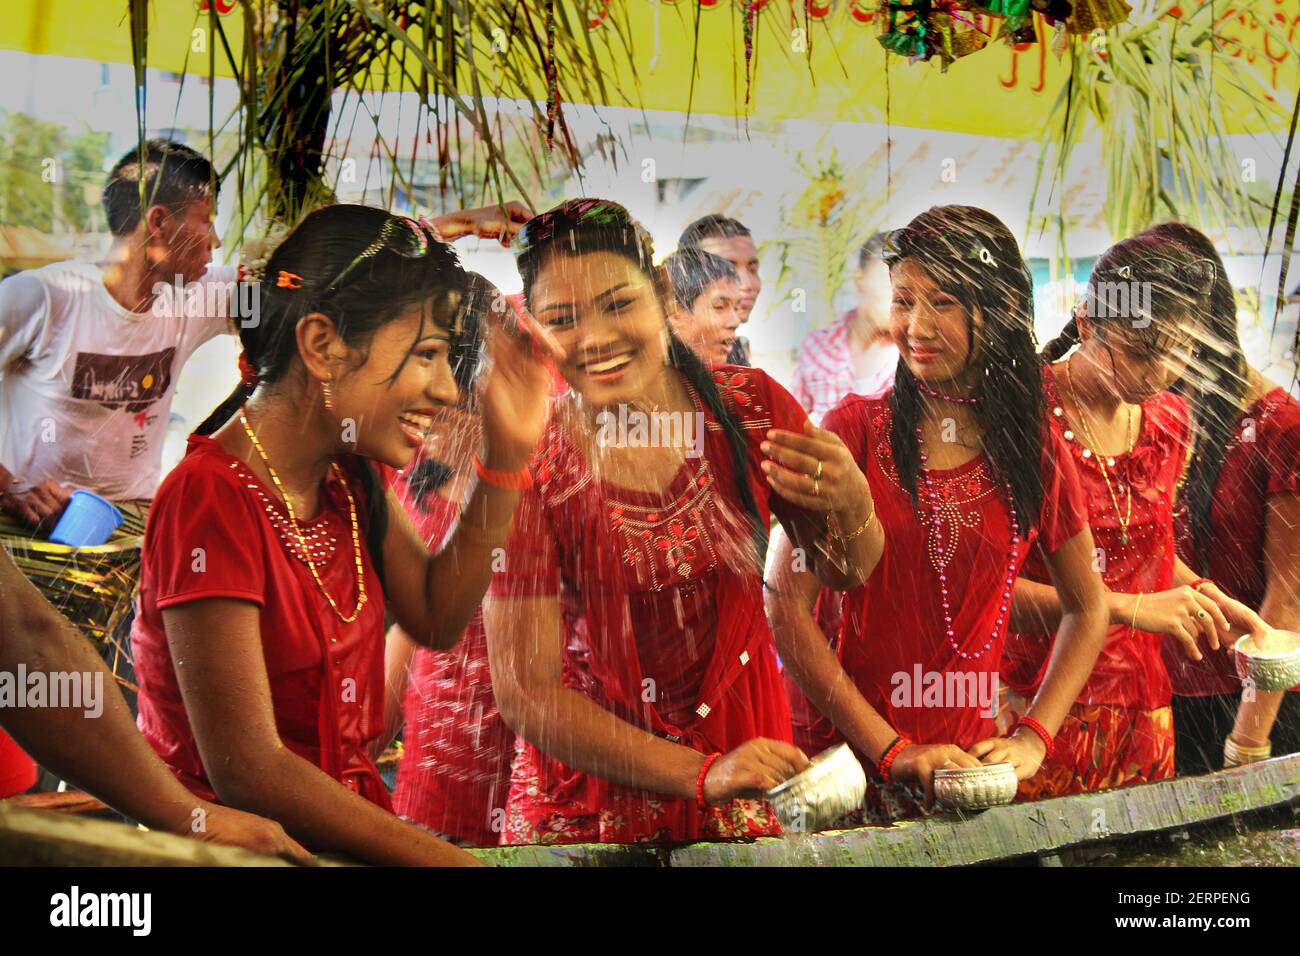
1101 459
293 520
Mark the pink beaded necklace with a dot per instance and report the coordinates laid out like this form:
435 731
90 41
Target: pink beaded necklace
1004 609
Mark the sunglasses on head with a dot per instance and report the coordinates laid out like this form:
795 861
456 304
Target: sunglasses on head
568 217
399 235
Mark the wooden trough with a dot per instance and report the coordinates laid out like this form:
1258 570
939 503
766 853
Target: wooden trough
34 837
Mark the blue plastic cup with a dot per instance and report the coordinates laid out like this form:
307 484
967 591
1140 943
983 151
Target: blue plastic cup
88 520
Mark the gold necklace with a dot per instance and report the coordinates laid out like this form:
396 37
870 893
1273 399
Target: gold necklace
293 520
1091 447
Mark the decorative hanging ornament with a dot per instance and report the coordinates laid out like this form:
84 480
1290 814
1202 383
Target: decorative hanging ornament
928 28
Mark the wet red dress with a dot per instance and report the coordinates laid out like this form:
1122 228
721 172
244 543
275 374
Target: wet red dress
17 770
1262 459
216 531
892 641
455 768
1120 729
662 602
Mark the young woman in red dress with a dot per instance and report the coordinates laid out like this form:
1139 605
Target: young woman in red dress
626 635
1128 437
967 478
1237 517
272 550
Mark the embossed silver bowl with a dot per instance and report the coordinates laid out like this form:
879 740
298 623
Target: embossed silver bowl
975 788
830 788
1273 663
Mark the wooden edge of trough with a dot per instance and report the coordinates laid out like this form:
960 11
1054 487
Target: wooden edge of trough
52 838
1021 829
45 838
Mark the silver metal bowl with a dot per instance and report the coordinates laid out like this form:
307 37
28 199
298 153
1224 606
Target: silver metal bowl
1271 664
830 788
975 788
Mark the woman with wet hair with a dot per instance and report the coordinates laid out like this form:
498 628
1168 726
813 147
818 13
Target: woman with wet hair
966 478
1236 523
626 634
1128 341
273 552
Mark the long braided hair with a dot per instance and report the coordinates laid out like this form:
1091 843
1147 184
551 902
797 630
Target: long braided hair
314 258
972 256
583 226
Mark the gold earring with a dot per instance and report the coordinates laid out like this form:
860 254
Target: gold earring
329 399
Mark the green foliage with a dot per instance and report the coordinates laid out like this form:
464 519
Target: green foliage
47 174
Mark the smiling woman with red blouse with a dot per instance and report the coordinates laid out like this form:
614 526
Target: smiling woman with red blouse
272 550
626 634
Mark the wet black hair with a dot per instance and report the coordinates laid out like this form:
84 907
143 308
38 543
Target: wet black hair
1179 282
691 271
712 227
174 176
321 257
969 254
583 226
1215 389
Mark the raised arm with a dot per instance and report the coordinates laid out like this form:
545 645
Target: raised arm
216 646
102 752
525 653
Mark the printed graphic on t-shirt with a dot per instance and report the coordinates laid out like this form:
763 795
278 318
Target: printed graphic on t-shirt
128 382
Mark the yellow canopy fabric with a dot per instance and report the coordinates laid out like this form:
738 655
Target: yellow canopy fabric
644 50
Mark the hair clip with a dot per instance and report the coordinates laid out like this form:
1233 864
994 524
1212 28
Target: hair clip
288 280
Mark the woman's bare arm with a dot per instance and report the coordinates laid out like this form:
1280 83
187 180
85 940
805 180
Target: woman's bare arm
216 647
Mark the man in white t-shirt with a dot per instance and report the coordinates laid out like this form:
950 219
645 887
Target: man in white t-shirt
90 353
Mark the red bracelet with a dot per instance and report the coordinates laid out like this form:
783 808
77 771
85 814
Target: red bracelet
890 755
1036 727
509 480
699 781
1199 583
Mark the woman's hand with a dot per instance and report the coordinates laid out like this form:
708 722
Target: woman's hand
514 396
1184 614
815 470
752 769
1024 750
230 827
916 764
43 502
1240 618
488 222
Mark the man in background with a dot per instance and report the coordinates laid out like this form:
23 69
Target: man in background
729 239
854 353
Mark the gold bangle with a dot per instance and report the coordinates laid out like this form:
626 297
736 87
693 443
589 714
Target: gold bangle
1132 624
862 527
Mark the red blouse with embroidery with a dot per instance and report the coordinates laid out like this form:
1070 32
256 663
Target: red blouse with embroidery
455 768
665 627
892 641
216 531
1129 671
1262 459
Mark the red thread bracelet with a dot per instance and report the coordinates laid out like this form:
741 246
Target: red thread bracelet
1199 583
699 781
509 480
890 755
1036 727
